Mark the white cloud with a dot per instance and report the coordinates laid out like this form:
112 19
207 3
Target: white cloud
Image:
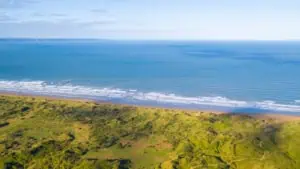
16 3
99 11
4 17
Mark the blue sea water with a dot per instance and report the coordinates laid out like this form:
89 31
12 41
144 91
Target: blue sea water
246 76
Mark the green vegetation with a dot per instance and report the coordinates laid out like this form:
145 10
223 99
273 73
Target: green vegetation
40 133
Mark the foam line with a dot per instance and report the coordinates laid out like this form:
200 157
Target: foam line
69 90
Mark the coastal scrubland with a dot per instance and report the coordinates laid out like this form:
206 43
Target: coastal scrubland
44 133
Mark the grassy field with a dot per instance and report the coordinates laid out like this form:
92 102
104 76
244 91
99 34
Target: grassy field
43 133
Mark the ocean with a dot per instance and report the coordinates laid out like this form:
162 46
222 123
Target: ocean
232 76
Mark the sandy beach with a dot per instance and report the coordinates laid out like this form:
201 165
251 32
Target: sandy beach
278 118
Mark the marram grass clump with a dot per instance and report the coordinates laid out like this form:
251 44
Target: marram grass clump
41 133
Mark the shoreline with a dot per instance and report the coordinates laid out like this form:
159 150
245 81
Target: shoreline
151 98
278 117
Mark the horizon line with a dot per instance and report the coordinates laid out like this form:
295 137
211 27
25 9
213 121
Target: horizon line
135 39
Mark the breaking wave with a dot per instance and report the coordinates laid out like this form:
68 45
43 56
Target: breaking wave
69 90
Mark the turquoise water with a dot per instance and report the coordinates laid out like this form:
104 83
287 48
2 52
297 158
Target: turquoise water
235 76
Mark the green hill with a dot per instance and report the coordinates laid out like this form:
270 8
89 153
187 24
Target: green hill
41 133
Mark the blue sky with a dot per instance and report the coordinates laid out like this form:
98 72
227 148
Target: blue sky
152 19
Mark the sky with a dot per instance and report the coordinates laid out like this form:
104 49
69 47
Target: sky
151 19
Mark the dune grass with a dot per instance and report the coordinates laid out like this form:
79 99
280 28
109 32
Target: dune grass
40 133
